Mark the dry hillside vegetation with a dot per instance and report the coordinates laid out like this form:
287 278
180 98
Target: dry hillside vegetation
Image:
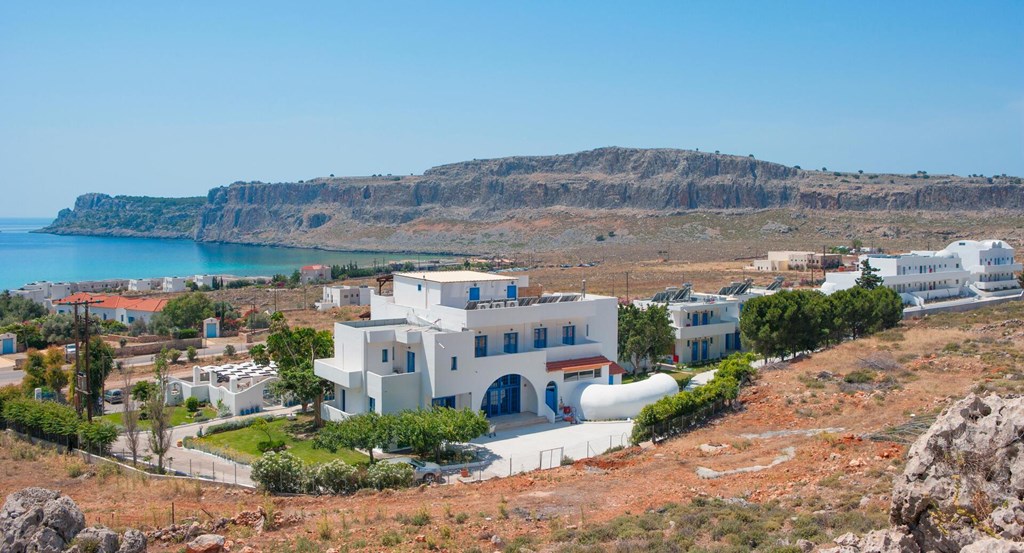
810 455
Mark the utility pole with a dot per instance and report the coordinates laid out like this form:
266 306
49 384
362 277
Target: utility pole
627 286
83 383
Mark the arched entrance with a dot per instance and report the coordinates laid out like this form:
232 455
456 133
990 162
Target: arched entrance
503 396
551 396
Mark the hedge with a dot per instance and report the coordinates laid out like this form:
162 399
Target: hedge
57 422
285 473
722 389
234 425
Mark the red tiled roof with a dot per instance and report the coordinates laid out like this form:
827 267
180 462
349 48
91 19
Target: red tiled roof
616 369
150 305
314 267
573 365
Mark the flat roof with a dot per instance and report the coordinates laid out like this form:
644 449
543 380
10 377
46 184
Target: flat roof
455 276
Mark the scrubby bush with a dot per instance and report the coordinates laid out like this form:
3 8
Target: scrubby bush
192 404
389 475
97 436
336 477
235 424
191 354
280 473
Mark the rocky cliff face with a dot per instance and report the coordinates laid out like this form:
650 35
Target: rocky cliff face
619 181
963 485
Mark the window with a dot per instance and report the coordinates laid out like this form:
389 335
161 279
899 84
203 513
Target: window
373 404
455 363
384 355
419 288
582 375
343 399
448 402
569 335
511 342
481 346
540 338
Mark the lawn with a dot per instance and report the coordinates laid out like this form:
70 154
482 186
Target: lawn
179 416
244 441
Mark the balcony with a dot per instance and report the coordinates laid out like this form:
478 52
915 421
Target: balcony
332 369
704 331
999 269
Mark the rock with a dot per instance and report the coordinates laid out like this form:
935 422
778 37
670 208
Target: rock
206 543
38 520
994 545
496 540
967 462
248 549
132 541
100 540
805 545
892 540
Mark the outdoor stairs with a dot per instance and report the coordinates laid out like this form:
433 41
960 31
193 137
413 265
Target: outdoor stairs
509 422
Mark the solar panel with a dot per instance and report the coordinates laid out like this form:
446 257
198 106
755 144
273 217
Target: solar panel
471 305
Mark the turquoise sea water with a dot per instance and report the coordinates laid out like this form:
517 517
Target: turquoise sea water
26 257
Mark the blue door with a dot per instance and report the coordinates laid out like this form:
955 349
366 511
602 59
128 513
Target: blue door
410 361
551 396
511 342
704 350
474 294
7 346
512 292
704 319
693 353
728 341
502 397
696 319
211 330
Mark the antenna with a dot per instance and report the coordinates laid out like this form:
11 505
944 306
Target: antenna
584 288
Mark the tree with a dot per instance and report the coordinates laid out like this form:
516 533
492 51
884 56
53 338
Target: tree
365 431
644 334
35 372
101 362
60 328
868 279
142 390
856 244
295 279
17 309
159 414
130 418
187 311
138 327
786 323
294 351
259 355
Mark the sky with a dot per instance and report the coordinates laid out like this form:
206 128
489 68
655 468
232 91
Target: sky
175 98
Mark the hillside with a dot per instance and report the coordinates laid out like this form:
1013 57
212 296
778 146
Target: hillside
455 207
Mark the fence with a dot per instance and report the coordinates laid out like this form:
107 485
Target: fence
666 429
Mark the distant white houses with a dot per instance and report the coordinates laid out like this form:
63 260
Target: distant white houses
478 340
241 388
44 292
338 296
315 273
797 261
140 285
965 267
173 284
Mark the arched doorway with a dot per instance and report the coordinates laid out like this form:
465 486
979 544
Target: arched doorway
551 397
503 396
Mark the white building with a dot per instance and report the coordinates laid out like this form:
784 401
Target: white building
338 296
140 285
917 276
314 273
990 262
241 388
797 261
44 292
173 284
706 326
114 308
467 339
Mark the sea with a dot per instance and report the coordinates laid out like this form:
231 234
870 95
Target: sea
28 257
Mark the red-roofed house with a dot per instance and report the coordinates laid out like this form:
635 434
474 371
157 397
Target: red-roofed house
114 308
315 273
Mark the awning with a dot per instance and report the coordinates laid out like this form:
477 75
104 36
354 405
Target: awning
582 364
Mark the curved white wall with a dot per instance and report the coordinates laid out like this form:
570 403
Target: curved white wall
623 401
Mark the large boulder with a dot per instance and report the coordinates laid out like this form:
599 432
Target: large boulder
964 477
132 541
207 543
97 539
39 520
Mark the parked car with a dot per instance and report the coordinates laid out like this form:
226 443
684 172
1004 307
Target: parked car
113 396
423 470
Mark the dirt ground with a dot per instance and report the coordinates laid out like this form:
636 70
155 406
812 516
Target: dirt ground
807 405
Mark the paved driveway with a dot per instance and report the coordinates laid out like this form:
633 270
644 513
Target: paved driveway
528 448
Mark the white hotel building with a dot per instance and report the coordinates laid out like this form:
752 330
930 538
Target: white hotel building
468 339
965 267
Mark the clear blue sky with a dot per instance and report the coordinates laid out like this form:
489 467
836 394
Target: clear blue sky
175 98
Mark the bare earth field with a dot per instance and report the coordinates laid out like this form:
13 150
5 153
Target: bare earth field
916 370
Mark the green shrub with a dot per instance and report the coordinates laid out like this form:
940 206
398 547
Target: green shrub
192 404
280 473
336 477
191 354
235 424
390 538
97 436
388 475
270 445
229 350
859 377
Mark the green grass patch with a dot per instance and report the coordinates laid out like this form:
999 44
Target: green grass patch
242 443
179 416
